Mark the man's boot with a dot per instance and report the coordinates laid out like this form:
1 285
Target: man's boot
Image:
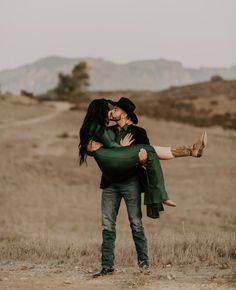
195 150
103 272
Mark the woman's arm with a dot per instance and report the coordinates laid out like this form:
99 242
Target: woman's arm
104 136
106 139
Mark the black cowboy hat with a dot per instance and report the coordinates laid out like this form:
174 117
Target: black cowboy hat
128 106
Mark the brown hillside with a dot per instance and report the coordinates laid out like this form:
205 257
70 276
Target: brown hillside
203 104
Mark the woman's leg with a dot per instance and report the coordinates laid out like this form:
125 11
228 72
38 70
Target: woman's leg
118 164
195 150
156 186
164 153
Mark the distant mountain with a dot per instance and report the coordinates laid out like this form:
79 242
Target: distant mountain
155 75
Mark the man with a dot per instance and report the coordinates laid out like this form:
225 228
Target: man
129 189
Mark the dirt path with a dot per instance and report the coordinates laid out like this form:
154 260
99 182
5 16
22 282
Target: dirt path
40 277
59 108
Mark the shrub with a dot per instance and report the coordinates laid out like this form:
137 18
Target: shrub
216 78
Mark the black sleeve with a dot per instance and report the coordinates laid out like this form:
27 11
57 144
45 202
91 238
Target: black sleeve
139 134
143 137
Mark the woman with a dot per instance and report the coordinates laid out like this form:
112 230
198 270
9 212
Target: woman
117 161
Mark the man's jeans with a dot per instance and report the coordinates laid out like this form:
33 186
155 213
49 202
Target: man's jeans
111 198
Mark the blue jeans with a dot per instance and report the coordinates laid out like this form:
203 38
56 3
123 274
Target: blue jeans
111 197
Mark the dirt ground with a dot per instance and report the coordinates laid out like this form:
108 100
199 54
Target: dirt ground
44 194
34 277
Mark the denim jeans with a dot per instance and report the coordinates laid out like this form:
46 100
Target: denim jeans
111 197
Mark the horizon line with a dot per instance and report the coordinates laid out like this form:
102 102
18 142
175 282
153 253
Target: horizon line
112 61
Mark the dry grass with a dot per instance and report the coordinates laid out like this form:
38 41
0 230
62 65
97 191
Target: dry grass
213 249
50 207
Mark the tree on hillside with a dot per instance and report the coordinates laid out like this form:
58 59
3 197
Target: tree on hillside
216 78
65 84
75 84
80 77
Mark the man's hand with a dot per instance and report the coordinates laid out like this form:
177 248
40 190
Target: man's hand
143 156
93 146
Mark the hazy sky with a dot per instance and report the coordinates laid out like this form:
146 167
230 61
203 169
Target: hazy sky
195 32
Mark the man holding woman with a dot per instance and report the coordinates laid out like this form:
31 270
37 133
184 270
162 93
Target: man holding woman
130 186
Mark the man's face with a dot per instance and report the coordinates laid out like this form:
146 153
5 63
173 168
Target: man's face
116 114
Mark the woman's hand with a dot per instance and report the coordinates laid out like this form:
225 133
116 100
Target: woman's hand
127 140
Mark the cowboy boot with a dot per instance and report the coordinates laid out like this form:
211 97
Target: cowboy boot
195 150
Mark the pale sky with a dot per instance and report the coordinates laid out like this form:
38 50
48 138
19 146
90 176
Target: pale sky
194 32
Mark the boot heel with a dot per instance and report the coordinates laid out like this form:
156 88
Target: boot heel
203 140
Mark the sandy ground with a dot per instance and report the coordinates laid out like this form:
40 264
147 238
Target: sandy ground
45 192
34 277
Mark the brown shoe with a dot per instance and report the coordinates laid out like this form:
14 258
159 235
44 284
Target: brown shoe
169 202
199 145
103 272
144 268
195 150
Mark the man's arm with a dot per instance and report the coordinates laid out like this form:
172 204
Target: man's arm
93 146
143 156
140 136
143 137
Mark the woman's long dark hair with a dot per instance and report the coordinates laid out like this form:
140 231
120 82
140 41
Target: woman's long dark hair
97 114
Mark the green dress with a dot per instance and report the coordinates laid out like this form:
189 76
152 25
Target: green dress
119 163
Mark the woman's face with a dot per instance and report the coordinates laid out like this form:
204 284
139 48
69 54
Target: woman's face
109 115
110 108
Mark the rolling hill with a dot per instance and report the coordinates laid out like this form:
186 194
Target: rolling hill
156 75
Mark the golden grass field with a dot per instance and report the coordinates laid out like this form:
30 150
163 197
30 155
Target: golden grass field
50 225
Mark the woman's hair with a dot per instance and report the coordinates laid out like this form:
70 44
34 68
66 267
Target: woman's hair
96 116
